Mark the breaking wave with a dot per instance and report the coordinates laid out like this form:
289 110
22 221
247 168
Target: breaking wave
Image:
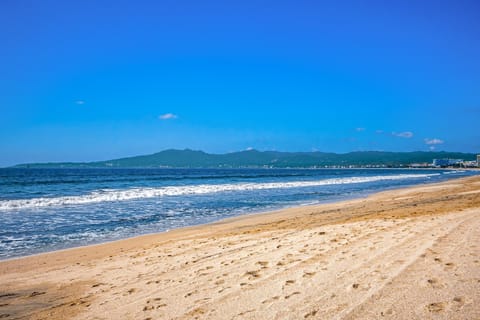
111 195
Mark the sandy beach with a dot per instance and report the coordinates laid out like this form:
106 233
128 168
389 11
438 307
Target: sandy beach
404 254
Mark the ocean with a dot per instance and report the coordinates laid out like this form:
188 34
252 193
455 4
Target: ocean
49 209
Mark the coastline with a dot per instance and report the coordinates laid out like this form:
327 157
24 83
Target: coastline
242 216
263 254
26 249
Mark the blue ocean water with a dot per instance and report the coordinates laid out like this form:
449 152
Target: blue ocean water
48 209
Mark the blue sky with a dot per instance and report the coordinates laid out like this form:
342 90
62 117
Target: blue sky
93 80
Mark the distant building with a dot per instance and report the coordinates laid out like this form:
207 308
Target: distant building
420 165
447 162
470 164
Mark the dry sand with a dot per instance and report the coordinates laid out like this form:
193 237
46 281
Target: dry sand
405 254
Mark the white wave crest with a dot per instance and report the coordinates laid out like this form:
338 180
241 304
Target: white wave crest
144 193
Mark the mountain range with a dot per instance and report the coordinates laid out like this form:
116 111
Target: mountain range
252 158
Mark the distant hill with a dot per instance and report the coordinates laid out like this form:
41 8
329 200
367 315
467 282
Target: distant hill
253 158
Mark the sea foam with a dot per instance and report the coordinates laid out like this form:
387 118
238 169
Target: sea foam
110 195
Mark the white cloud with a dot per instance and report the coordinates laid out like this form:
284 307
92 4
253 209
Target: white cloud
433 141
80 102
431 148
249 149
405 134
360 129
167 116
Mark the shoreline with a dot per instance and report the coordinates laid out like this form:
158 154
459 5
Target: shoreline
360 195
192 228
245 215
56 280
241 215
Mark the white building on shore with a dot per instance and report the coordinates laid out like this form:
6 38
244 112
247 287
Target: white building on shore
447 162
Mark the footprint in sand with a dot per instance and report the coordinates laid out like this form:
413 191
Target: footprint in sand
190 293
252 274
223 289
310 314
292 294
436 307
98 284
196 312
435 283
271 299
263 264
460 301
389 312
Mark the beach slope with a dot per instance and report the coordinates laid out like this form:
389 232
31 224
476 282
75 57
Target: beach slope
405 254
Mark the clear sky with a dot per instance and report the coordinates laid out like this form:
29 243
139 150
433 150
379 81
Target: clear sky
94 80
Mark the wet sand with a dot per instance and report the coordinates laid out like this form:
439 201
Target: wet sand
404 254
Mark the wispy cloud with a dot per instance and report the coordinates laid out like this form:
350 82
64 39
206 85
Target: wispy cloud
433 141
360 129
379 131
167 116
80 102
404 134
